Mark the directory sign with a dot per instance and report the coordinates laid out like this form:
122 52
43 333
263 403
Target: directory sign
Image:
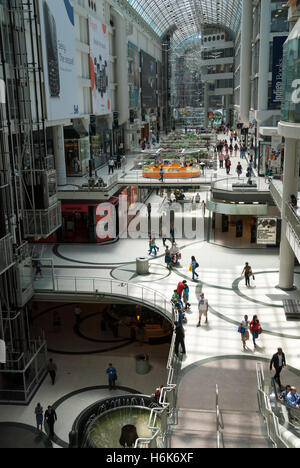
267 231
100 67
59 54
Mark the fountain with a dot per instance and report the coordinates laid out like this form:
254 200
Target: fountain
102 424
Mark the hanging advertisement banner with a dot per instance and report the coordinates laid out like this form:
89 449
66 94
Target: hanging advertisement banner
100 67
134 76
267 231
148 77
2 352
277 91
59 53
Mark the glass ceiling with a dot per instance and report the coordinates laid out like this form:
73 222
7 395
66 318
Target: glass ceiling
189 16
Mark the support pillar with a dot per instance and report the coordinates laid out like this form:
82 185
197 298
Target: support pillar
206 98
264 55
290 186
59 153
246 56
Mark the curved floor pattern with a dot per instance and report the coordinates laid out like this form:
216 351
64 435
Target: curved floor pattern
127 273
69 340
20 436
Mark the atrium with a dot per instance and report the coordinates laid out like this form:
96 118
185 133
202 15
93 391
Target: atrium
149 224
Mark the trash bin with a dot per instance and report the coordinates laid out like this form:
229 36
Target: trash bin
142 364
142 266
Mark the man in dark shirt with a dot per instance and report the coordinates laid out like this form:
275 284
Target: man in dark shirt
279 362
50 418
179 338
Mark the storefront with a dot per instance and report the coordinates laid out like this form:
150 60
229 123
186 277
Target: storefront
271 153
232 226
80 223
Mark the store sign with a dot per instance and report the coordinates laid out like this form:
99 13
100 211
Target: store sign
100 67
59 59
2 352
267 231
277 95
2 92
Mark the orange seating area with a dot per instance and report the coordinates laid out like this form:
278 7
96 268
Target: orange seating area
171 171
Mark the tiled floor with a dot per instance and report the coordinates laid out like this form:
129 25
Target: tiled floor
229 299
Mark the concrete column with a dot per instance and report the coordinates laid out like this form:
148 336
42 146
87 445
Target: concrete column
59 153
246 56
206 98
264 54
121 43
290 186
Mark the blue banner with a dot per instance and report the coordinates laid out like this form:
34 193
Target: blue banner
277 96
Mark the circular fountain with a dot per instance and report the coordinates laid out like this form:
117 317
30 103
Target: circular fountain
115 423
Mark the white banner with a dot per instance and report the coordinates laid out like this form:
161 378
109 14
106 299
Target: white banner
59 58
100 67
2 352
2 92
267 231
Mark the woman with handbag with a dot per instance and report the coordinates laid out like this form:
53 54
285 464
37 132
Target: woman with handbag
244 330
255 329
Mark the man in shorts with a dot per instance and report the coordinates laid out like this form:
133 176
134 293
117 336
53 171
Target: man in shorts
203 309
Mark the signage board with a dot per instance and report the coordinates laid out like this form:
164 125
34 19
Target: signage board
266 231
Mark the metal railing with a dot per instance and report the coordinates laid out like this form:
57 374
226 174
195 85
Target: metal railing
227 184
276 187
102 287
6 253
42 223
219 422
146 296
166 401
279 435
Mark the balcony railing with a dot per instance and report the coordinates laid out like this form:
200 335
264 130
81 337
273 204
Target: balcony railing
6 253
42 223
276 187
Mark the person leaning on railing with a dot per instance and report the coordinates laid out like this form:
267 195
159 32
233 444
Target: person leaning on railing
293 398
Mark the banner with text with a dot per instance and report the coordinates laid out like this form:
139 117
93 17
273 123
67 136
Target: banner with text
267 231
59 53
100 67
277 95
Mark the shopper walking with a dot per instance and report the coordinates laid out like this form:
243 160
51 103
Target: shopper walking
153 246
239 169
194 266
123 164
278 361
203 309
112 376
228 166
221 160
161 171
39 415
52 370
255 329
168 258
247 272
50 419
244 330
111 166
179 340
186 296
